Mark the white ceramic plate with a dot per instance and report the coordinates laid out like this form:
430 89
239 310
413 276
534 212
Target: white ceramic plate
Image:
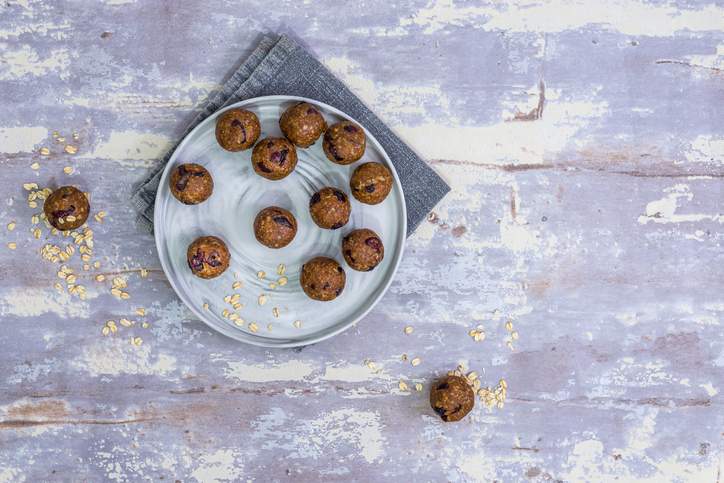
239 194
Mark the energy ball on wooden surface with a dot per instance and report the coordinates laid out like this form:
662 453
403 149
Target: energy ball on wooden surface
237 129
275 227
208 257
363 249
452 398
330 208
302 124
344 142
274 158
191 184
371 183
67 208
322 279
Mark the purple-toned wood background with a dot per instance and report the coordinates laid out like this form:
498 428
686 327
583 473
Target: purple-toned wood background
594 226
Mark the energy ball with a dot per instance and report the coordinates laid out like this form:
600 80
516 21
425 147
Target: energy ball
322 279
371 183
274 158
302 124
191 184
208 257
363 249
275 227
66 208
237 129
452 398
344 142
330 208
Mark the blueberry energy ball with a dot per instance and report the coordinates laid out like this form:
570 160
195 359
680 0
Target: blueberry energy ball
274 158
66 208
363 249
208 257
452 398
330 208
191 184
322 279
275 227
237 129
302 124
371 183
344 142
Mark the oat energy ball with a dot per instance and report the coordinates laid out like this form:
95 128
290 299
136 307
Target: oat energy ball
344 142
208 257
363 249
330 208
452 398
191 184
322 279
371 183
274 158
66 208
302 124
275 227
237 129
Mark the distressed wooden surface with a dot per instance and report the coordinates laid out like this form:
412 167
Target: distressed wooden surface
593 221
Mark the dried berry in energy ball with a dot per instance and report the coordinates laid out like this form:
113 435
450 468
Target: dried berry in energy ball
452 398
322 279
191 183
275 227
371 183
237 129
208 257
330 208
363 249
302 124
66 208
274 158
344 142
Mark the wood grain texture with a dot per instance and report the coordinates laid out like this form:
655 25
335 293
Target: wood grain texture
584 145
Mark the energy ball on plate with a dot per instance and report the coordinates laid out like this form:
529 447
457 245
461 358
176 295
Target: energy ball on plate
330 208
371 183
66 208
344 142
363 249
237 129
208 257
322 279
302 124
274 158
191 184
452 398
275 227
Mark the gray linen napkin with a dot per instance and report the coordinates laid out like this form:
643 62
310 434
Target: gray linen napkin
280 66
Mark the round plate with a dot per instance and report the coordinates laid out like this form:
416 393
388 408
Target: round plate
239 194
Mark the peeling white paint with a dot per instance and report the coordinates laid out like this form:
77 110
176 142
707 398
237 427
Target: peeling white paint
131 146
15 140
285 371
220 465
26 61
353 373
665 209
116 355
31 302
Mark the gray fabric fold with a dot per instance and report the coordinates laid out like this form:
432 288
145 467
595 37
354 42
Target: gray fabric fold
280 66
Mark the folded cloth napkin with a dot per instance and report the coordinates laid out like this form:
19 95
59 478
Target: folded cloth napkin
280 66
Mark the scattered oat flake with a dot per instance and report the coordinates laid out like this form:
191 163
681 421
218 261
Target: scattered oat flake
514 335
11 226
236 285
225 313
272 285
68 170
275 312
416 361
206 306
509 326
409 330
253 327
472 376
12 245
35 219
141 311
281 269
297 324
37 233
145 325
44 151
418 387
137 341
282 281
70 149
96 264
33 204
30 186
125 322
370 365
36 166
262 299
237 305
269 327
402 385
260 274
144 273
100 278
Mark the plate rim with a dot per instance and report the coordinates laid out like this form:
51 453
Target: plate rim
242 336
